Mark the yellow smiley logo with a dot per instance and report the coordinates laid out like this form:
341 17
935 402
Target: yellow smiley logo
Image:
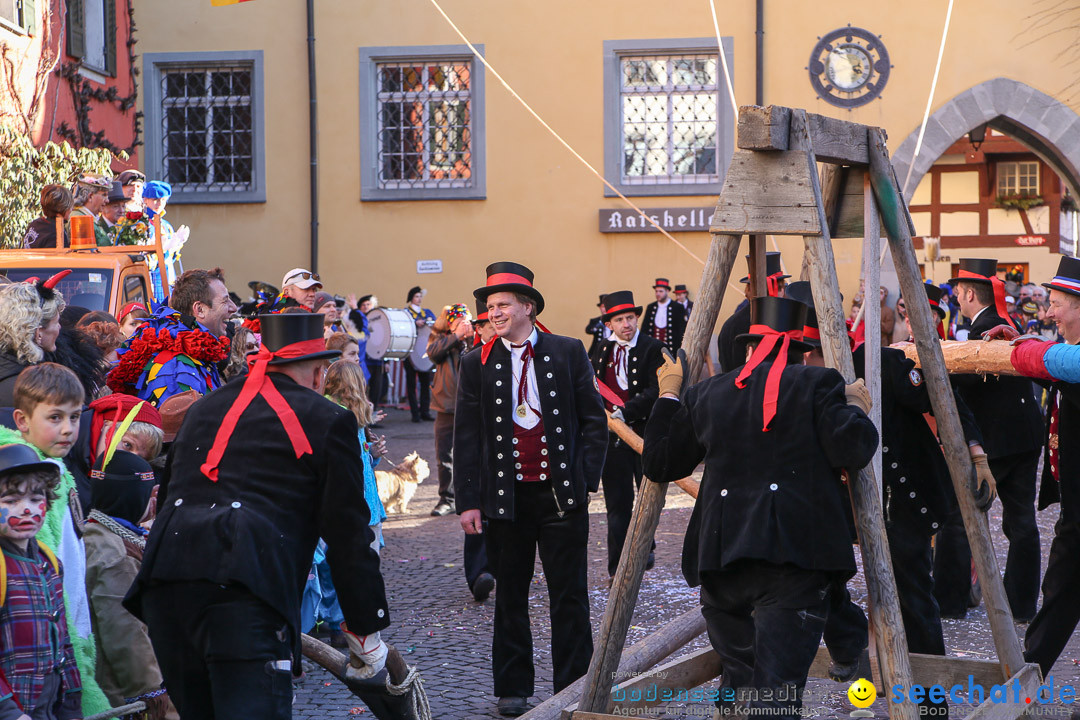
862 693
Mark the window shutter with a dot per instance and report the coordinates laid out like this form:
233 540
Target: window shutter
29 16
110 37
76 28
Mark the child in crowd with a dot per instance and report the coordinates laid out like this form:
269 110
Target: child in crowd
131 318
48 407
122 485
345 386
38 674
144 435
56 202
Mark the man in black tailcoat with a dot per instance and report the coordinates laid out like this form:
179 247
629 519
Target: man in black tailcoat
530 434
768 536
596 330
1009 417
665 319
626 365
730 353
682 296
259 471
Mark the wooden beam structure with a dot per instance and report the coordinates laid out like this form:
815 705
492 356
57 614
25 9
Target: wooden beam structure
766 129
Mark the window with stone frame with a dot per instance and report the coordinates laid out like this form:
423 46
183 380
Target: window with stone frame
668 123
207 121
424 124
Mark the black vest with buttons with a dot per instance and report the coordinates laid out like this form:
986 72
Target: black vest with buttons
641 366
676 323
575 426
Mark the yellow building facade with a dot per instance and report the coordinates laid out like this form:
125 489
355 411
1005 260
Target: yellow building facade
429 169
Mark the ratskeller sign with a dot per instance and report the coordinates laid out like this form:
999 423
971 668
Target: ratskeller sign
696 219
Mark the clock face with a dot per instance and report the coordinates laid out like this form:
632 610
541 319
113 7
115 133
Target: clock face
849 67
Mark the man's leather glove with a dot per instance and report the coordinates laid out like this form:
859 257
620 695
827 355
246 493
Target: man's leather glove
1035 337
858 395
617 414
367 654
986 487
670 374
1001 332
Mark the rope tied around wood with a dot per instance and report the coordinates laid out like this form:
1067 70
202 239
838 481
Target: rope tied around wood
413 688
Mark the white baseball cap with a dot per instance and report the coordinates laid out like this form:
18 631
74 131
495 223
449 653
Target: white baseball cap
301 278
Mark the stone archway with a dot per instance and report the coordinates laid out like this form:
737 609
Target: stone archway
1049 128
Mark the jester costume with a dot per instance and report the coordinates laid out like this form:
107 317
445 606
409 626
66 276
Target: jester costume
170 354
59 533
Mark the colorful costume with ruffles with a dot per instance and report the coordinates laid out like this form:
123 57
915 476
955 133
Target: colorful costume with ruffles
167 357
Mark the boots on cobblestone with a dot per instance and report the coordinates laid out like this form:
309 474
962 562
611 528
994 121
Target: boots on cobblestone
483 586
444 507
513 706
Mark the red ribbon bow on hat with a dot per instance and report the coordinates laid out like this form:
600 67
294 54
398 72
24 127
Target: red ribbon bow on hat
999 291
258 384
772 284
772 383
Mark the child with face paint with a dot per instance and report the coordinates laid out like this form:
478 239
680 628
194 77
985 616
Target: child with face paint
48 409
38 673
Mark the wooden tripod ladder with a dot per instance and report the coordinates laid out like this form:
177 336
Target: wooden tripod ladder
773 187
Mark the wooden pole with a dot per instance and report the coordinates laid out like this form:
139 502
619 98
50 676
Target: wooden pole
970 357
865 496
758 270
894 220
596 696
872 275
638 658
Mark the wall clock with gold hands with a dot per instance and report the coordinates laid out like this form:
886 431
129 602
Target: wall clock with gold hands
849 67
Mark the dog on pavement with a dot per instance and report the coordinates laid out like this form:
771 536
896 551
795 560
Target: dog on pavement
398 485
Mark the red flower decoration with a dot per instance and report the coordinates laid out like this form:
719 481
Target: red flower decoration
253 324
196 344
133 215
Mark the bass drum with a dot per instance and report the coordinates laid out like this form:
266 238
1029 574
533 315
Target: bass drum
391 334
420 361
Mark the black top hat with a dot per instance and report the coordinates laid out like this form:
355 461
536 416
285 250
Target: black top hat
19 458
662 283
781 314
601 301
282 329
681 288
982 268
510 277
1067 278
802 292
619 302
772 266
933 294
481 313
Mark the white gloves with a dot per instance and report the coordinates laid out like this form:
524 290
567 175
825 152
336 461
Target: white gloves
367 654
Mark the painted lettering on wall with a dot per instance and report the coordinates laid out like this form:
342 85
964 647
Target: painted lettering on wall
671 219
1031 240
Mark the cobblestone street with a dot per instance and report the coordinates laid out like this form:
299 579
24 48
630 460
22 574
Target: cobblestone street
437 625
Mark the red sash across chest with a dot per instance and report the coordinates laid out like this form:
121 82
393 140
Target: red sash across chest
612 382
530 453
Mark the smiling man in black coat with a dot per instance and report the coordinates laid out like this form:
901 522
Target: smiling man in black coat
530 434
627 365
260 470
768 535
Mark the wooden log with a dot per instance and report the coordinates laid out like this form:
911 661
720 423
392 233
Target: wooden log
758 270
894 219
835 141
689 485
639 657
872 272
647 689
885 615
848 222
926 670
596 695
970 357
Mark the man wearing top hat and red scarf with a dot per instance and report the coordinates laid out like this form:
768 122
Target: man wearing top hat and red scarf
260 470
665 319
1033 357
768 535
626 365
1010 421
530 434
729 352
